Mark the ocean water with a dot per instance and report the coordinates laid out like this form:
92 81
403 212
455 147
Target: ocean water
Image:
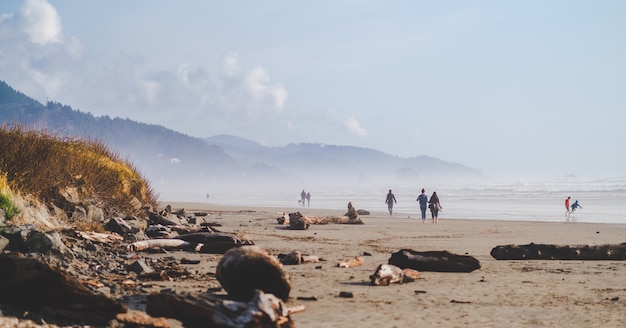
603 199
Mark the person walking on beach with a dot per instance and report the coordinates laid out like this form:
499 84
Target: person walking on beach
390 200
303 196
434 206
568 212
308 199
423 200
575 206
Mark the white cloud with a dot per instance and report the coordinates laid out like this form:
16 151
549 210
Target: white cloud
40 21
354 126
230 65
257 83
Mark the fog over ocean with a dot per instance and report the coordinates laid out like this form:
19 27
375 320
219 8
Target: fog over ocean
603 199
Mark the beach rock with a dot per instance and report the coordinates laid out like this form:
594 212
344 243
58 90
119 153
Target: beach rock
437 261
215 243
32 285
204 310
3 243
95 214
28 239
119 226
156 218
245 269
387 274
534 251
139 267
292 258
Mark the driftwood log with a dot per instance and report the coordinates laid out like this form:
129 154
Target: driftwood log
437 261
169 244
215 243
297 221
31 285
204 310
560 252
387 274
295 257
243 270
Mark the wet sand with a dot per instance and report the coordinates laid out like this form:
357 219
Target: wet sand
537 293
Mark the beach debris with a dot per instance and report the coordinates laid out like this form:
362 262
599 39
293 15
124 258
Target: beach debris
99 237
168 244
297 221
215 243
306 298
3 243
437 261
29 239
387 274
201 242
205 310
245 269
32 285
295 257
156 218
135 318
534 251
283 218
349 263
346 295
460 302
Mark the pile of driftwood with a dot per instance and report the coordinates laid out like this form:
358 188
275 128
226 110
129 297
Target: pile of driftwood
298 221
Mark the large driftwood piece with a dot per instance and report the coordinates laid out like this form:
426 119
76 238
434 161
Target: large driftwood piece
31 285
215 243
437 261
560 252
203 310
243 270
169 244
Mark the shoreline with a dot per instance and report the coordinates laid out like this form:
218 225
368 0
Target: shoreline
328 211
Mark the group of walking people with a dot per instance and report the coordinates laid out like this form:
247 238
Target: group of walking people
433 204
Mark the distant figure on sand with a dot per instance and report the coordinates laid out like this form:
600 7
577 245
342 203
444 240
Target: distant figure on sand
568 212
423 200
303 196
390 200
434 206
308 198
575 206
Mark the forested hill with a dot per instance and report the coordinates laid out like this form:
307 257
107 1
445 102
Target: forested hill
164 156
173 160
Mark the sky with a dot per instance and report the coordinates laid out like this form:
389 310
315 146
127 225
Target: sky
517 89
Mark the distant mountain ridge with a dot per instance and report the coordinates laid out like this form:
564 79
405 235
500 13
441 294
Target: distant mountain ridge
174 161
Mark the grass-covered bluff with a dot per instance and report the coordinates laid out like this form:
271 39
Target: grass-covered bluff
39 170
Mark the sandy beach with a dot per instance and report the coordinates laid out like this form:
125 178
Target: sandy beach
537 293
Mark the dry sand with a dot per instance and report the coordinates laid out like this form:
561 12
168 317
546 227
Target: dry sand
534 293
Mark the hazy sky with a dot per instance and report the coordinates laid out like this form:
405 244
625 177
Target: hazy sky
514 88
